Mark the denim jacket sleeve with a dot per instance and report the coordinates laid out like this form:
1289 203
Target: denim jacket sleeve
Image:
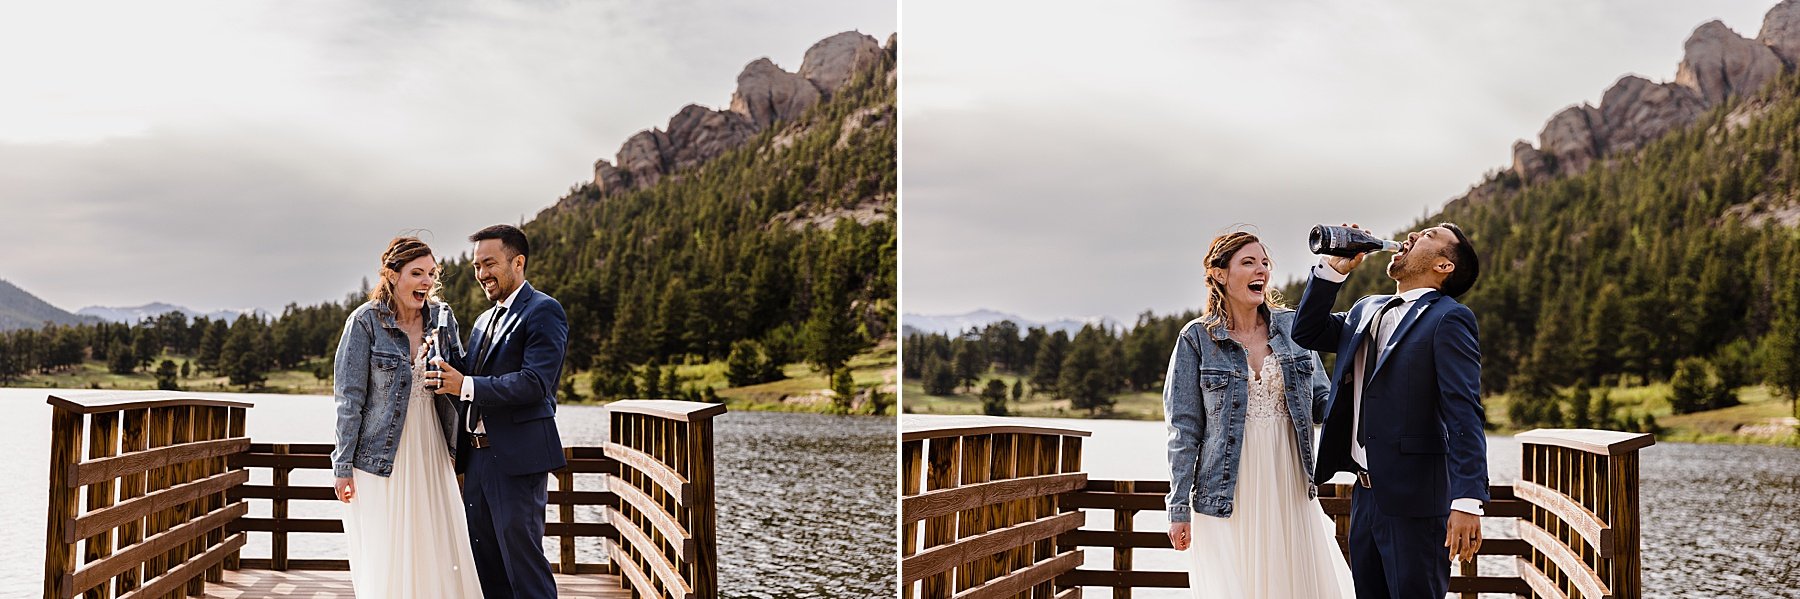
1185 415
350 386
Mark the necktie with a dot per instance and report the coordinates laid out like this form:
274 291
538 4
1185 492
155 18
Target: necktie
1372 355
487 339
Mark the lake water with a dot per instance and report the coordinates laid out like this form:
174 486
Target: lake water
805 501
1717 520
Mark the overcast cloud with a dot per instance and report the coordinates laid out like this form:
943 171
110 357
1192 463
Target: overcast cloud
234 154
1075 160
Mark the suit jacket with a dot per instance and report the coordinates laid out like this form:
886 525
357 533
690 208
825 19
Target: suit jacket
1422 410
515 386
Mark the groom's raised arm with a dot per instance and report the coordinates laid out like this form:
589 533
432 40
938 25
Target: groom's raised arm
1457 353
1316 327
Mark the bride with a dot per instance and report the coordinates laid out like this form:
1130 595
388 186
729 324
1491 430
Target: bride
392 460
1240 398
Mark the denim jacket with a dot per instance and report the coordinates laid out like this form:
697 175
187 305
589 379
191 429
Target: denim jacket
1205 396
372 382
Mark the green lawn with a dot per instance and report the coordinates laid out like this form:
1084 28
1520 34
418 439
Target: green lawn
1764 418
804 389
94 375
1130 406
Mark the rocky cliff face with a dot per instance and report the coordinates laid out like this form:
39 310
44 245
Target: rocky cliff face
1718 64
766 95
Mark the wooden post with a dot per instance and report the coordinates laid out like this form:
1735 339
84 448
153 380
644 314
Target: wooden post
706 578
975 463
162 430
565 514
1627 572
912 464
1122 523
235 429
65 448
278 511
131 486
103 437
217 420
940 530
1001 466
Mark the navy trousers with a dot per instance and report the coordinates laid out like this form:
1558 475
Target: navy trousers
506 529
1396 558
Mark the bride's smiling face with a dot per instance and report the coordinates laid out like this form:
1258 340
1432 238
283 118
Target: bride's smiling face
1246 276
413 284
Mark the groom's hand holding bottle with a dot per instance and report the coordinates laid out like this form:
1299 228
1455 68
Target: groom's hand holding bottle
1342 264
443 380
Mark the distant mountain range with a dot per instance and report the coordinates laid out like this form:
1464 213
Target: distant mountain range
20 309
136 314
956 323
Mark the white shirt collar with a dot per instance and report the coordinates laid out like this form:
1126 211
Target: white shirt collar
1413 295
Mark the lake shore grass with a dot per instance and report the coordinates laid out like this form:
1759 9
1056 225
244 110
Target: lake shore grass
803 390
1763 417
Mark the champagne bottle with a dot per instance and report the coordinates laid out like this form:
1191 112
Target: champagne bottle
439 334
1347 242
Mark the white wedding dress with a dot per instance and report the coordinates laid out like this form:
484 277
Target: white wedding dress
1277 544
409 537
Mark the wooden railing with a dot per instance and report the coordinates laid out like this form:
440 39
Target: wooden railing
156 481
1575 507
283 459
179 508
1583 524
987 494
665 512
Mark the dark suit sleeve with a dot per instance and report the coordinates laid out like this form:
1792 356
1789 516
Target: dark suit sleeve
1458 355
546 336
1315 326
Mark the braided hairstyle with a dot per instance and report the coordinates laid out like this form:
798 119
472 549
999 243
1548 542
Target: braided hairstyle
1218 260
400 251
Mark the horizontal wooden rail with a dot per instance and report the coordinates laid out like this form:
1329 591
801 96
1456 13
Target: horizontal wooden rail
944 557
179 576
664 523
948 501
1597 534
1570 564
1022 581
93 471
666 478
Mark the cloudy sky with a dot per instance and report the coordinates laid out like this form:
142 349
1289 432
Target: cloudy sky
251 153
1075 161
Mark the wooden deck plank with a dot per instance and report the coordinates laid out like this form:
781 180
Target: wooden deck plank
319 584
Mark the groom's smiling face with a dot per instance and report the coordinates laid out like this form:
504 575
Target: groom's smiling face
497 269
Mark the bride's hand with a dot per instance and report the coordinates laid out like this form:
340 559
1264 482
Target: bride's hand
1178 535
346 489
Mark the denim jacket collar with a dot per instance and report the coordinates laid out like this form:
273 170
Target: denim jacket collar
384 314
1221 334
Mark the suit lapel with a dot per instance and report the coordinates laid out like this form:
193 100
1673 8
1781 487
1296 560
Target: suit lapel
1406 323
514 315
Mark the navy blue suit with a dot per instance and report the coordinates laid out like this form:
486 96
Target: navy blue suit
505 485
1421 428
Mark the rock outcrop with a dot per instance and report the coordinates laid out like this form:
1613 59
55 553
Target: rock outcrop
1781 31
765 96
831 63
1717 65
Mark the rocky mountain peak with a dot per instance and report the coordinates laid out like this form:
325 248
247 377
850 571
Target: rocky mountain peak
1717 64
766 94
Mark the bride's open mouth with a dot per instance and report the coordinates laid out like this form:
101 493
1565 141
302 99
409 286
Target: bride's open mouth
1258 286
419 294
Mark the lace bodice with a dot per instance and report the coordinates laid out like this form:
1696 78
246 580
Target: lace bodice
1268 391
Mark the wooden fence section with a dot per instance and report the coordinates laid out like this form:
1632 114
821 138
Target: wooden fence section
283 459
981 508
1582 527
1575 508
156 482
168 500
664 513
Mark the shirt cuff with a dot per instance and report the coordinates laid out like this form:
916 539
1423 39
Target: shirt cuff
1467 505
468 389
1330 275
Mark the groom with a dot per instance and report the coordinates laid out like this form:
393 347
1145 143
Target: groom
508 444
1405 413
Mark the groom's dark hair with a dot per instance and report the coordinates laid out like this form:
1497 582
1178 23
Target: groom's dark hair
510 238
